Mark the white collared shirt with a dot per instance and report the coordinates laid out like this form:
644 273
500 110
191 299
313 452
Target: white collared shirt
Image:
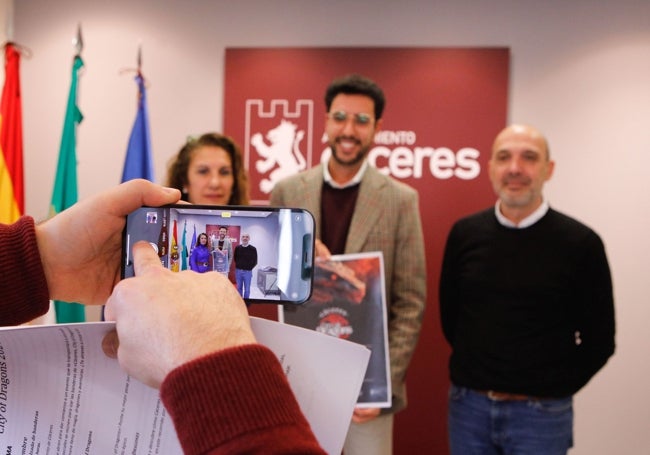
526 222
354 181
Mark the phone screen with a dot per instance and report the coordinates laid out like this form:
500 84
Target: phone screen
267 252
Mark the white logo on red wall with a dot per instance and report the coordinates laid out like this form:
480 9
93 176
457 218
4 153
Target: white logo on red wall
278 140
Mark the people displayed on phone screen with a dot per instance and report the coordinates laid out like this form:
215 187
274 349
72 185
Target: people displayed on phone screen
209 170
222 252
245 261
200 257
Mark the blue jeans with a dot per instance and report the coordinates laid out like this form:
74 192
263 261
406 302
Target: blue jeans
479 425
243 278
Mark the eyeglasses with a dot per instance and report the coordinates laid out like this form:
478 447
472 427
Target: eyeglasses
359 119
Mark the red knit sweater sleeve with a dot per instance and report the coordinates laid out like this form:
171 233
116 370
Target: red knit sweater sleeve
236 401
25 295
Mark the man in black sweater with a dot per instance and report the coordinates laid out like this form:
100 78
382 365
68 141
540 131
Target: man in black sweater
526 304
245 262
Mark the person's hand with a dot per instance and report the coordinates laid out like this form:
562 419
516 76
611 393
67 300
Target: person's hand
322 252
165 319
363 415
81 247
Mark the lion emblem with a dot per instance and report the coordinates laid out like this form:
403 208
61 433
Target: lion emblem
283 152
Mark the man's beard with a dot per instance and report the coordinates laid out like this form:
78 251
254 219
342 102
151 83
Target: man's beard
517 201
520 199
361 155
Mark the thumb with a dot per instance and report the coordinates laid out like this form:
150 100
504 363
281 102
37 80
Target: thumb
110 344
145 259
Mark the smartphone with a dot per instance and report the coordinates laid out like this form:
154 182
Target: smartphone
204 238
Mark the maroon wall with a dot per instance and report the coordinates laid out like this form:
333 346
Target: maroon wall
444 107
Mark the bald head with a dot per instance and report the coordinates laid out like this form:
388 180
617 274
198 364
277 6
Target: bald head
518 168
518 132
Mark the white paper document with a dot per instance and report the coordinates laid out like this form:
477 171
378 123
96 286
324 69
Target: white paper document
59 393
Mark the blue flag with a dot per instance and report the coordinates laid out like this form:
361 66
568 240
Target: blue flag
138 163
193 240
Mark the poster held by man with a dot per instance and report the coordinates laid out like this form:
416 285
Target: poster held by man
349 302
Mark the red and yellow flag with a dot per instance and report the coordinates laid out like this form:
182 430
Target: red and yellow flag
12 195
175 256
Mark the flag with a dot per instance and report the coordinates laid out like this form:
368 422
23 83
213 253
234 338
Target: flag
138 163
174 249
12 196
65 182
184 252
193 243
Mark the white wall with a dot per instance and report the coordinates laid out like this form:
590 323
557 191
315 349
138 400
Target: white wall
6 26
580 72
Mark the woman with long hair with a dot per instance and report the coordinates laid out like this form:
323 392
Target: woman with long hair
210 170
